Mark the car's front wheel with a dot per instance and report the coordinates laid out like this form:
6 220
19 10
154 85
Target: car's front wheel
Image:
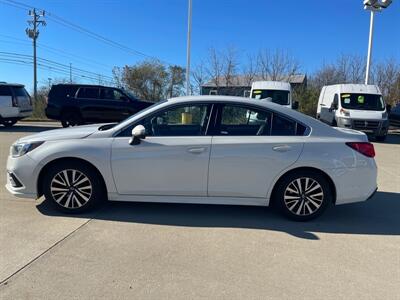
303 195
73 187
71 118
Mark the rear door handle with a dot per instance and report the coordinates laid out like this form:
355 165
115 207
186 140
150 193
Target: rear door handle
281 148
197 150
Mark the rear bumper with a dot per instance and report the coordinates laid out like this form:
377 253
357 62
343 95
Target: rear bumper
16 113
354 184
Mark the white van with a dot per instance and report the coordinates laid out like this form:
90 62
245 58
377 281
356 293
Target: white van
357 106
15 103
274 91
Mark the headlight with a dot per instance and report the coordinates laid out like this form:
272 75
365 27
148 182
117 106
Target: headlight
344 112
20 149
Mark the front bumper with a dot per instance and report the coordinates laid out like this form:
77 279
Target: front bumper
373 127
25 172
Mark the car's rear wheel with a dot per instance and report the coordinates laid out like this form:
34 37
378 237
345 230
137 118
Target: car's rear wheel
8 123
303 195
71 118
73 187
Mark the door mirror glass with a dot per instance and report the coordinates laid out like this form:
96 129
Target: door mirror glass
138 133
295 105
388 108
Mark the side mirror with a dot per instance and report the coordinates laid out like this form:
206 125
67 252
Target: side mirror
295 105
138 133
388 108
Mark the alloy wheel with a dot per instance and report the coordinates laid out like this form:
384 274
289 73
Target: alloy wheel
71 189
303 196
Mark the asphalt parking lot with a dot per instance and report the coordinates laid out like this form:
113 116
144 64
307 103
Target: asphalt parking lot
158 251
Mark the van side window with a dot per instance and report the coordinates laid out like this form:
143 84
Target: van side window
335 102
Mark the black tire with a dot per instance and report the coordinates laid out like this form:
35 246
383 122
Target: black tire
71 118
381 138
310 205
78 196
9 123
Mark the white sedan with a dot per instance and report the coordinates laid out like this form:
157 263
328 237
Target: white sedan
203 149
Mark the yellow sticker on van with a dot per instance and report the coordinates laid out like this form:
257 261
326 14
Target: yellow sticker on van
345 95
257 92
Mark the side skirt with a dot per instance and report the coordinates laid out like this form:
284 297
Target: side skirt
190 200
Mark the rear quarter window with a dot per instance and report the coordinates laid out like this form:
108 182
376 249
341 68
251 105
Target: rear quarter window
5 90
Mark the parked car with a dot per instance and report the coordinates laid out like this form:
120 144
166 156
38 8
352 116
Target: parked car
276 91
356 106
77 104
199 149
15 103
394 116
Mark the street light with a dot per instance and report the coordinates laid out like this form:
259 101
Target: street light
373 6
189 32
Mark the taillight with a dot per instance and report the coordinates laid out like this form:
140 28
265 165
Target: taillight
363 147
14 102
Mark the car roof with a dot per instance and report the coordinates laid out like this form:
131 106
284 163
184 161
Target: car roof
83 85
356 88
11 84
272 85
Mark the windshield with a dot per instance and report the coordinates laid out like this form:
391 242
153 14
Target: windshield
130 94
277 96
362 101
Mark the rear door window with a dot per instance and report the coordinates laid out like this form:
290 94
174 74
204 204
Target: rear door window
282 126
90 93
243 121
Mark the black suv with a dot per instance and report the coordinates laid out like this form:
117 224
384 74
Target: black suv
76 104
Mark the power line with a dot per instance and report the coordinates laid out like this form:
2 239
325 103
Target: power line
78 58
96 36
55 65
54 69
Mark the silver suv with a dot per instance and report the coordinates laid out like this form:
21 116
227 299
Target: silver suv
15 103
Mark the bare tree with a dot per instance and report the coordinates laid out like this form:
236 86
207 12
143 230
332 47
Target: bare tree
229 66
199 77
277 64
387 76
250 70
215 67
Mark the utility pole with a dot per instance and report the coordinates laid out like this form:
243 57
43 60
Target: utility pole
189 33
33 33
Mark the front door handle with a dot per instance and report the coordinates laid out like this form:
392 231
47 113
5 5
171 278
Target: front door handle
281 148
197 150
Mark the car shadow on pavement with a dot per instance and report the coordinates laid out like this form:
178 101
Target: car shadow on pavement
392 138
378 216
27 128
